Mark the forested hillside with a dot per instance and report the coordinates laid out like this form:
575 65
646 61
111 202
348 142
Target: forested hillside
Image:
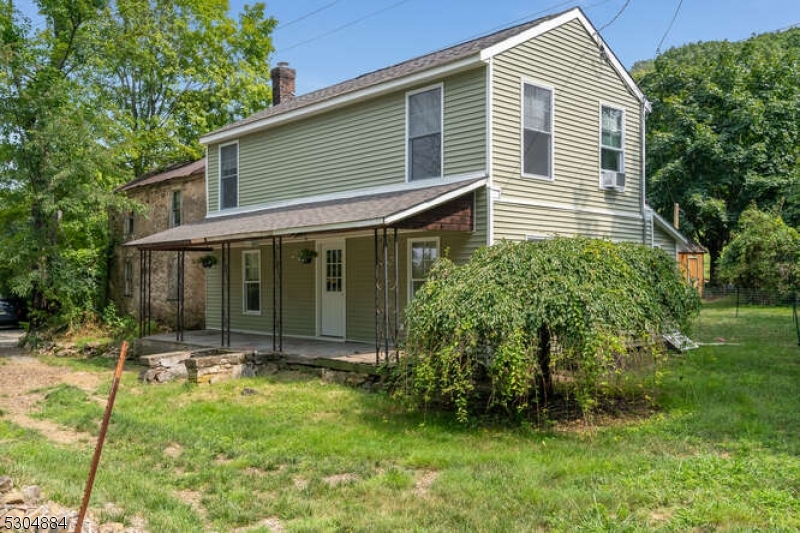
724 132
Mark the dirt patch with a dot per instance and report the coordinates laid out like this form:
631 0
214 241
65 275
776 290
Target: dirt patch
273 523
21 375
339 479
174 450
424 480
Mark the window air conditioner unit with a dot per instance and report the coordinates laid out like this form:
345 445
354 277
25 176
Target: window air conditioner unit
610 179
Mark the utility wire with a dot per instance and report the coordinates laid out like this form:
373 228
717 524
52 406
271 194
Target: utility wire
281 26
619 13
671 22
343 26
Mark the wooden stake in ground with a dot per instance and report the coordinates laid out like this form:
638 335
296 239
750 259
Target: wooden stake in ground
102 437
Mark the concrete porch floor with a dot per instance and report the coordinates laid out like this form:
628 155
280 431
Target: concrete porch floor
353 352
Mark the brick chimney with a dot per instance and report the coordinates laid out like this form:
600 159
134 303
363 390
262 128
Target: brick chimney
282 83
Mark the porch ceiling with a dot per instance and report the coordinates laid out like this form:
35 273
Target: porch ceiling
347 214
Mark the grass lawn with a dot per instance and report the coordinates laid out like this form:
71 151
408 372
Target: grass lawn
722 452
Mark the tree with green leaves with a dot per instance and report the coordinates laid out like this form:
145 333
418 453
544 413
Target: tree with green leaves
485 331
764 253
169 71
724 132
97 93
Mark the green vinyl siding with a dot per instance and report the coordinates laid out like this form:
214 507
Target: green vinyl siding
299 296
517 222
212 178
354 147
665 241
567 59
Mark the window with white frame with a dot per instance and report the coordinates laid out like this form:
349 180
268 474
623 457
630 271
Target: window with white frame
175 209
251 276
537 131
424 134
128 275
229 176
422 253
612 146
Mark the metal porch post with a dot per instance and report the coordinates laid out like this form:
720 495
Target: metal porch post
377 306
386 293
274 296
396 294
280 294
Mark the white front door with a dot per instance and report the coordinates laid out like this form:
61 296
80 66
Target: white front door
332 296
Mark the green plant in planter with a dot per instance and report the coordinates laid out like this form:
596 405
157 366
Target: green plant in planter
306 255
208 260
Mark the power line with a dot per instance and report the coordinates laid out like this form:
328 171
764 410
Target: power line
309 14
343 26
613 20
671 22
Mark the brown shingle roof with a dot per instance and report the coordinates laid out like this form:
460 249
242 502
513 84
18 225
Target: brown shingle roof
400 70
181 170
372 210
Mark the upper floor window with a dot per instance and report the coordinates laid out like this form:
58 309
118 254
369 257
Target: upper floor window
612 147
425 134
612 154
229 176
175 209
537 131
422 253
128 224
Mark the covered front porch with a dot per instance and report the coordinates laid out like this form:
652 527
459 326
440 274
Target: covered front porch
266 292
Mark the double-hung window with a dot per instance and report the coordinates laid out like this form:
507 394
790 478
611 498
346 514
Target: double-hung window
251 276
128 276
424 117
612 149
175 209
229 176
422 253
537 131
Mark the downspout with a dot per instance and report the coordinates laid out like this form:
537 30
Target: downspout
489 152
643 166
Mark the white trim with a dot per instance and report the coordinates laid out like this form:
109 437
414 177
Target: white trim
319 276
439 200
512 200
409 94
552 164
208 207
345 99
544 27
219 177
353 193
245 311
621 109
409 244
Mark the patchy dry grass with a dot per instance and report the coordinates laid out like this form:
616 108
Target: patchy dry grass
722 452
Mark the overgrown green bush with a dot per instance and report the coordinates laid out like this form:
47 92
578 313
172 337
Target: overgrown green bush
491 322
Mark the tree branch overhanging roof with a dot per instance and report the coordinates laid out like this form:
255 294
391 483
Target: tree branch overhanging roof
462 56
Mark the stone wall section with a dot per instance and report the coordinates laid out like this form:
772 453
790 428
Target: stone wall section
157 199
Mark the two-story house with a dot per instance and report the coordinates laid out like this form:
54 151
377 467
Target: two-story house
170 197
529 132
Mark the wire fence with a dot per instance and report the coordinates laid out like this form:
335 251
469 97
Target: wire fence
742 296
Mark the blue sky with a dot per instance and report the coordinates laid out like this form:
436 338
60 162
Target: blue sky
414 27
341 39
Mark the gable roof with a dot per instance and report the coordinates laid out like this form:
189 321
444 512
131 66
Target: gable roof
452 59
180 170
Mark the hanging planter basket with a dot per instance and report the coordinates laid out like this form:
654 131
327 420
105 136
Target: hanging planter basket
306 255
208 261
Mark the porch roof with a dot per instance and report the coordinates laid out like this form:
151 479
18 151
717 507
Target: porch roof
344 214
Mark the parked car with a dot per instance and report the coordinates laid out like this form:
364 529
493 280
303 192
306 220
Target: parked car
8 314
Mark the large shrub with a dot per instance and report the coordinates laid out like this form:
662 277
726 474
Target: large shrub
493 321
